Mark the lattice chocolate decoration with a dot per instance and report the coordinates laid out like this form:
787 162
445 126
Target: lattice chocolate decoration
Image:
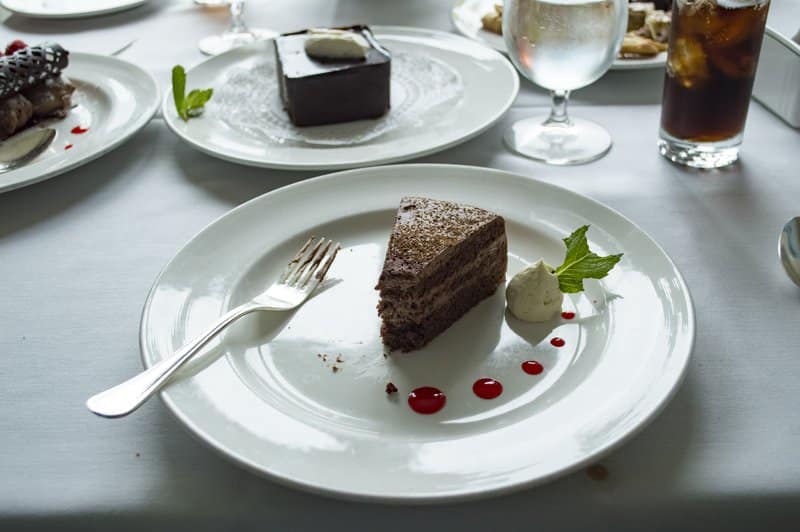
30 66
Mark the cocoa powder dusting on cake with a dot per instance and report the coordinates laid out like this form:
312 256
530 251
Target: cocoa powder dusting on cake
446 223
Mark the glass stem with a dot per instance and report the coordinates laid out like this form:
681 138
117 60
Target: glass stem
558 111
237 17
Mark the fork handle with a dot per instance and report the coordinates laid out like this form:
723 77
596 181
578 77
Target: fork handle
124 398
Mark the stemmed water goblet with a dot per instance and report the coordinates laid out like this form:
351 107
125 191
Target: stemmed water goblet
562 45
236 35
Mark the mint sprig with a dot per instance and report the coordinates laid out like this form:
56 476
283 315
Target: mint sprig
581 263
187 105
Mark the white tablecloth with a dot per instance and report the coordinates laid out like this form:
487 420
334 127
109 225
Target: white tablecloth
78 254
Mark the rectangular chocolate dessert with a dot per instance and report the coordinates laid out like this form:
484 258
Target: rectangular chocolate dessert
443 259
317 91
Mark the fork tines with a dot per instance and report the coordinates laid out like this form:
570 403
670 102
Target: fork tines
308 262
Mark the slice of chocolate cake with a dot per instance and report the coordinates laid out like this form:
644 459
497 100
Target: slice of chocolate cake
443 258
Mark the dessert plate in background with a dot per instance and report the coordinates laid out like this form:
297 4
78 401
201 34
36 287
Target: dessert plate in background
272 401
68 8
466 16
445 90
113 99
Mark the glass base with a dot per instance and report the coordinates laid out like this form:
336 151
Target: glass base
578 142
703 155
217 44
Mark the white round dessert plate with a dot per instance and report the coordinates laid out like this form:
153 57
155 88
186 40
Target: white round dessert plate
466 17
57 9
445 89
301 397
113 100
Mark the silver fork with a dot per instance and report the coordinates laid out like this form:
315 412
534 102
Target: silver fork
298 281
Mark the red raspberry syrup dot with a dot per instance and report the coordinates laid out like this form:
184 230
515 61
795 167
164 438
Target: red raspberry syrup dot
567 315
531 367
557 342
487 388
15 46
78 130
68 146
426 400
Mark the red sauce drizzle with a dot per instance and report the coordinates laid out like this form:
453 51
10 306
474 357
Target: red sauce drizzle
78 130
531 367
426 400
68 146
557 342
487 388
567 315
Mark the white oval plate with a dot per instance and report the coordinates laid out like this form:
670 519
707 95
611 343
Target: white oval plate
466 16
274 405
68 8
113 98
490 85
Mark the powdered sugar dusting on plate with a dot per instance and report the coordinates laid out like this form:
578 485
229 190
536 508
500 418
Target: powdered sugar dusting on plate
423 90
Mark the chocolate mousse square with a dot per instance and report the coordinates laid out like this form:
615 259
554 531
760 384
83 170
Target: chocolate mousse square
316 92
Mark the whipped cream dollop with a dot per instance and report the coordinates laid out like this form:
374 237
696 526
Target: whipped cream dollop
534 294
336 44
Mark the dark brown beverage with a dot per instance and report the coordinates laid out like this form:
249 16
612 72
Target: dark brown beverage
713 53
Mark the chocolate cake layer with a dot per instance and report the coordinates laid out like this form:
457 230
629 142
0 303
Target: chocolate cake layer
433 277
406 307
316 92
442 259
417 335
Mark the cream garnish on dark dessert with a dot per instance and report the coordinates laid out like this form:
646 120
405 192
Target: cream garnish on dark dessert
443 258
332 76
31 86
333 44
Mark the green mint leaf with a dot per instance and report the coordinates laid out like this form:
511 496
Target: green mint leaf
196 100
580 263
179 90
187 105
577 247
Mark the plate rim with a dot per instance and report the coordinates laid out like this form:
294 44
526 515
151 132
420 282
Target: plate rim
466 494
657 61
136 125
73 15
169 120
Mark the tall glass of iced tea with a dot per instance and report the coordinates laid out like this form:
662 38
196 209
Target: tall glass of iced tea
713 53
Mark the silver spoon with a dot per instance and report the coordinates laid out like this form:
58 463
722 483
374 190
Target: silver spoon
789 249
24 147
